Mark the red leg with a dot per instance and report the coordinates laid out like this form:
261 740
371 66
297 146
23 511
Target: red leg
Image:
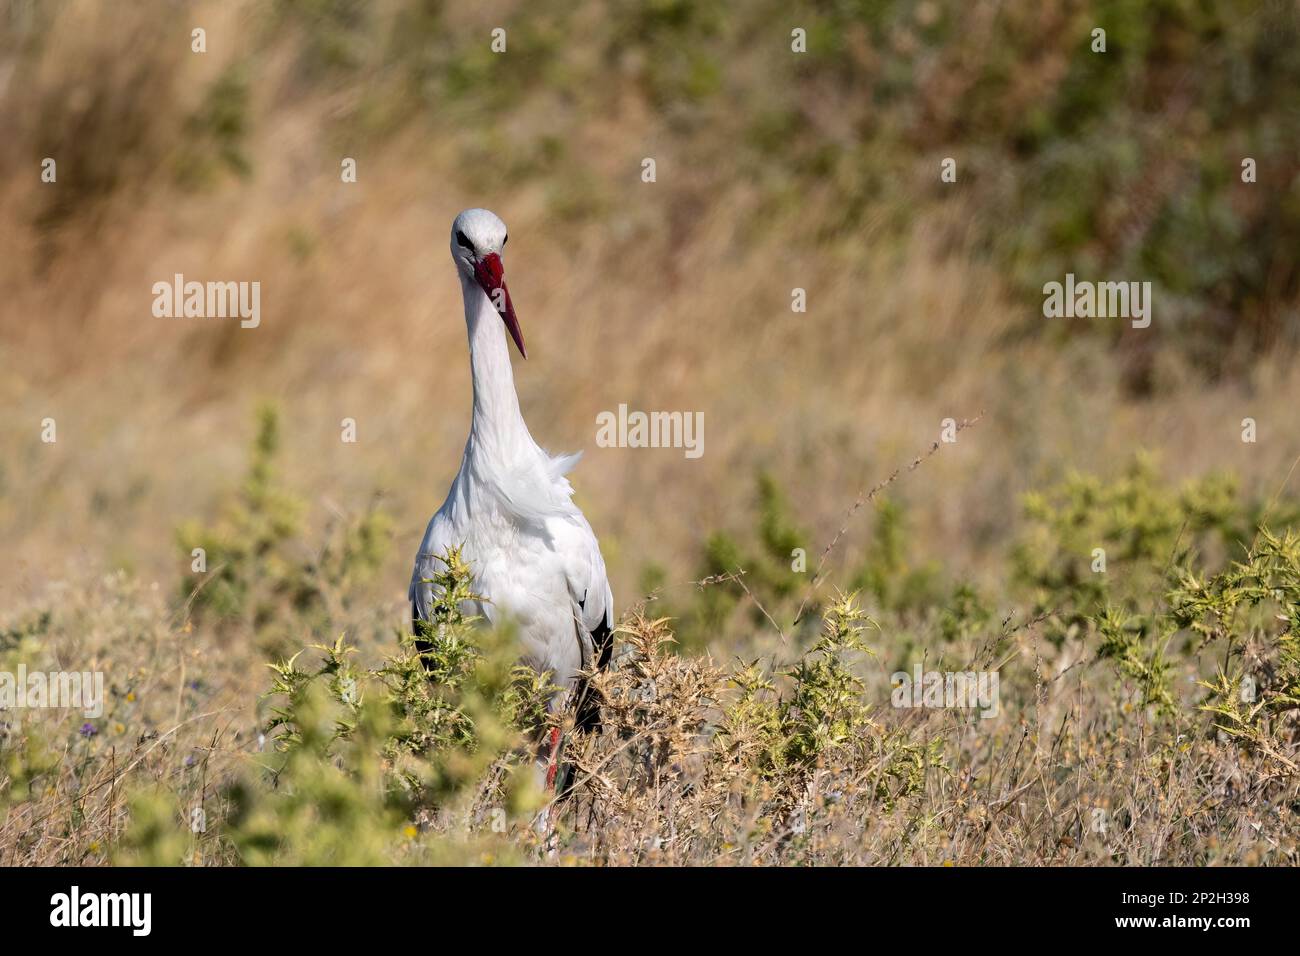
553 764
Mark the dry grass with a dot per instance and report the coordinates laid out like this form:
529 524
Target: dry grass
1074 771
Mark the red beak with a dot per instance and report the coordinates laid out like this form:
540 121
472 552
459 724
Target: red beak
491 280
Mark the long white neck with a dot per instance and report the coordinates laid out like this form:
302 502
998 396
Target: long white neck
497 430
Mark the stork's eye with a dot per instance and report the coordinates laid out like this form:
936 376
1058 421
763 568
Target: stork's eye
460 238
504 240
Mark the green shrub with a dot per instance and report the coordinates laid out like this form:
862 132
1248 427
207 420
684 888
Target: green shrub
260 572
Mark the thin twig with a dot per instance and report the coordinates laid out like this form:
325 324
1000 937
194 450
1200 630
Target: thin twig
857 505
738 577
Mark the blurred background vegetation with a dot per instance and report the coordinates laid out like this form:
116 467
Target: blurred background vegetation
776 170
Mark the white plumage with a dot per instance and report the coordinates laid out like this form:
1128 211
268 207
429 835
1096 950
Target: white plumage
532 555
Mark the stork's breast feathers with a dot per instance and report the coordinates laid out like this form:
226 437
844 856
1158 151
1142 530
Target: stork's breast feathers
533 557
561 465
537 489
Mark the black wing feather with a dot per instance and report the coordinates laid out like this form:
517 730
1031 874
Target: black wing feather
587 708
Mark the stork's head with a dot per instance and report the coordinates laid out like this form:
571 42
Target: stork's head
478 237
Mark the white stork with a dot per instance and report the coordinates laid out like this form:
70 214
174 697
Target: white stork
532 555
